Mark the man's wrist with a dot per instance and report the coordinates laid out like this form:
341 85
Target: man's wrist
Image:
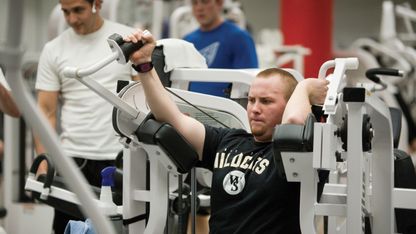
143 67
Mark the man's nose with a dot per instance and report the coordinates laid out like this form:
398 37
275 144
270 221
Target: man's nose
256 107
71 17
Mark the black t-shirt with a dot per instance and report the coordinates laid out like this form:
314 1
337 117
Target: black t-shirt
247 196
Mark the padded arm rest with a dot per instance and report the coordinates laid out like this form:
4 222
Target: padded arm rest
178 149
292 138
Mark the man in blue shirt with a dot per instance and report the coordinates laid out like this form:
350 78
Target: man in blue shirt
222 43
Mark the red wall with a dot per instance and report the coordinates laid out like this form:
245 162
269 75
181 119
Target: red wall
308 23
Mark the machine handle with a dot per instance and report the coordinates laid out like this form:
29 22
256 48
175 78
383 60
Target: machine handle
49 175
371 73
128 47
121 53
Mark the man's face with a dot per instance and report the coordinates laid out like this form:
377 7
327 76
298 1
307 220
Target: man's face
265 107
206 12
78 14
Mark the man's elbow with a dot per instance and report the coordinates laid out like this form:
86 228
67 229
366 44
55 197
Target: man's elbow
16 113
294 119
11 110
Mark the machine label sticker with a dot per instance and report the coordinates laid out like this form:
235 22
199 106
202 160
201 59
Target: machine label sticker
234 182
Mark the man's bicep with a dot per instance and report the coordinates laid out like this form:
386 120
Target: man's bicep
194 133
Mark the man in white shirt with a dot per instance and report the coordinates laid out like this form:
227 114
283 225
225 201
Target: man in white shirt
86 119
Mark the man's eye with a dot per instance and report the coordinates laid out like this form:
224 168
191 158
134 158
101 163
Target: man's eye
78 10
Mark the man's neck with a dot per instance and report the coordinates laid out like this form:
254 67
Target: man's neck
212 26
98 24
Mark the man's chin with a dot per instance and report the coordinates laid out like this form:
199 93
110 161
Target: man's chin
257 132
78 31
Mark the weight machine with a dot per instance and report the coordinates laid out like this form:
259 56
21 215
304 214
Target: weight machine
355 142
133 123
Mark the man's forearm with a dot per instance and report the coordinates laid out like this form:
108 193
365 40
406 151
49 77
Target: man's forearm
165 110
308 92
163 107
7 104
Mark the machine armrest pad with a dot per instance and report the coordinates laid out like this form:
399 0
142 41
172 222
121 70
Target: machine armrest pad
178 149
292 138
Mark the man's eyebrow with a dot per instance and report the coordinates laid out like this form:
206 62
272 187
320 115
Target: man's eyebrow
74 8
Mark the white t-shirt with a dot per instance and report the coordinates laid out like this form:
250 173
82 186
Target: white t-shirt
86 118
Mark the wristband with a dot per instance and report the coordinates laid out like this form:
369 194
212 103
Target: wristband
143 67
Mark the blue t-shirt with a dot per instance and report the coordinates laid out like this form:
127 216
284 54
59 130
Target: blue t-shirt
228 47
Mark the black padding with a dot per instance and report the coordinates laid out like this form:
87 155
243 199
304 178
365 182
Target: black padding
292 138
3 212
176 147
407 115
289 137
396 120
308 135
404 177
158 59
147 130
118 186
180 151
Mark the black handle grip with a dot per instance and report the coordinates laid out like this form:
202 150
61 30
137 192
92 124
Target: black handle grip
51 168
126 47
371 73
129 47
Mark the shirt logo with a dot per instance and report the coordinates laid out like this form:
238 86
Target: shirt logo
210 52
234 182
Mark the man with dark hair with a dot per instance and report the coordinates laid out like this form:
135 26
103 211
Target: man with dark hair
247 195
87 132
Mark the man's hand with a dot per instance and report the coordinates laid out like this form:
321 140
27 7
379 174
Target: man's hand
308 92
144 54
317 90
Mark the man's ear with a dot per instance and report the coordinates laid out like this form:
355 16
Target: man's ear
97 5
220 3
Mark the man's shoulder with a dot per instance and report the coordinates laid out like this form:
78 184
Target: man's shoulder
59 40
192 35
233 29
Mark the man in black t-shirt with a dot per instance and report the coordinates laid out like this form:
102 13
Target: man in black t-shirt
247 195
